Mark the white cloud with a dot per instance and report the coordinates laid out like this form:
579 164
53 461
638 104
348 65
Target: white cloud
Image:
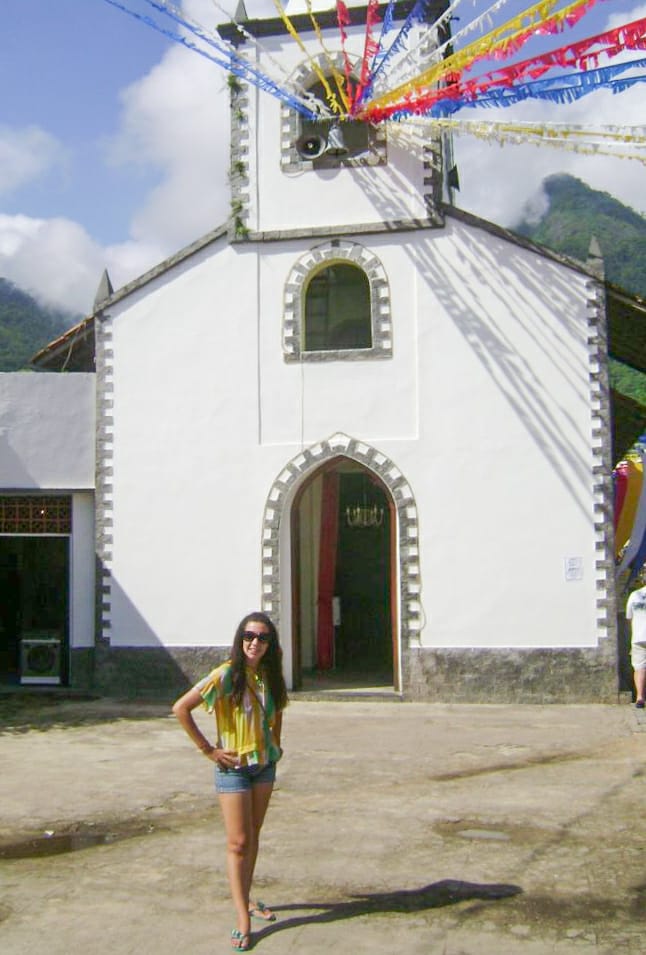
177 119
53 259
25 154
496 182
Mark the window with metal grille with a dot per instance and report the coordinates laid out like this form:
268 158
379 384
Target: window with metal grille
20 514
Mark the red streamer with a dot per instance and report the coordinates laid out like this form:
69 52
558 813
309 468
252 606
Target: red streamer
630 36
343 19
370 48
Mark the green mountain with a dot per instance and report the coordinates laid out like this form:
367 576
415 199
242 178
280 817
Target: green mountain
576 213
26 326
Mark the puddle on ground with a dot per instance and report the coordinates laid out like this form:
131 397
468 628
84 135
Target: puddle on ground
53 844
494 834
474 829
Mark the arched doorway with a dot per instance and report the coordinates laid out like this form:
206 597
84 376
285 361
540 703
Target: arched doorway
344 599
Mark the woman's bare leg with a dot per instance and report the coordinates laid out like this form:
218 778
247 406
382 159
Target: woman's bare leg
260 796
238 826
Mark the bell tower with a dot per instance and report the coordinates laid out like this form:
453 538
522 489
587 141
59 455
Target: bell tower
294 170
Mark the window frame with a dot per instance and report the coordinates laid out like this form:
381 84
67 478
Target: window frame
292 123
295 291
307 317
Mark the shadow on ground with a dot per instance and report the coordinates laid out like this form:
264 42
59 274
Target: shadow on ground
433 896
23 713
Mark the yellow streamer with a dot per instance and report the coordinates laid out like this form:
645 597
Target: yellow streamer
635 478
338 77
603 141
294 34
493 41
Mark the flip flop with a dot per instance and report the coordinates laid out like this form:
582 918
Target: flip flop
239 941
261 911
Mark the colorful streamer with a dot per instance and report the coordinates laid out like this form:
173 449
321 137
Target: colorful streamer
633 468
334 73
228 59
370 48
628 37
628 142
443 87
499 44
291 29
629 478
562 89
638 528
344 20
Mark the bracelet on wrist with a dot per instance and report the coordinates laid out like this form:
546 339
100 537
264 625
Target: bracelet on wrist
207 750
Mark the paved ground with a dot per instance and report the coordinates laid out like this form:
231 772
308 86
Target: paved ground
455 830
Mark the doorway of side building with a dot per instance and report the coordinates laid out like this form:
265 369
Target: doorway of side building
34 589
344 609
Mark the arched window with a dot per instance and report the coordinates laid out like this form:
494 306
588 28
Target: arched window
336 305
357 138
337 309
304 142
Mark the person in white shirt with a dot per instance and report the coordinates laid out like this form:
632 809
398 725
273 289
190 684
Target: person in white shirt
636 613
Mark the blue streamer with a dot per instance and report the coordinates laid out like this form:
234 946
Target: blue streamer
380 55
417 15
560 89
232 63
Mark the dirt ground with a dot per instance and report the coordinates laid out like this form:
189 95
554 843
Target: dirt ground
426 828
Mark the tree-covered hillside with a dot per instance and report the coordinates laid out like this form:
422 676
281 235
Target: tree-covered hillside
576 213
26 326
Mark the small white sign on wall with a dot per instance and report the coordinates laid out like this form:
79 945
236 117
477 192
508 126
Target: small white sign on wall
573 568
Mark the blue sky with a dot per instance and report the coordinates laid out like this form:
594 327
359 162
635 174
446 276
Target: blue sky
114 142
65 63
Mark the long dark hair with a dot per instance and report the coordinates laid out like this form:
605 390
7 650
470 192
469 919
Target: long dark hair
271 665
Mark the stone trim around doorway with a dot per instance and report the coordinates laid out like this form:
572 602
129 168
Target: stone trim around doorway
305 463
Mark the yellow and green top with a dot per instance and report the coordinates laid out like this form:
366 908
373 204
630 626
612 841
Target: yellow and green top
249 727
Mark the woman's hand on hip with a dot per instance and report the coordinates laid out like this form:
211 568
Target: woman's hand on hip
225 758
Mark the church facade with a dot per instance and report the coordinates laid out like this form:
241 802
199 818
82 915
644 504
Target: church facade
379 419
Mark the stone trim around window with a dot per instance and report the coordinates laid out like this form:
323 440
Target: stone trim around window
294 300
303 77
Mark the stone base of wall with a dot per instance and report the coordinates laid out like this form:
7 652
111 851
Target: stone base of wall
81 673
587 675
152 672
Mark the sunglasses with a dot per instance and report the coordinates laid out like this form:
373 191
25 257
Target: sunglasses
250 635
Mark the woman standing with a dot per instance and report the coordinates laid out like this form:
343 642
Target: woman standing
247 695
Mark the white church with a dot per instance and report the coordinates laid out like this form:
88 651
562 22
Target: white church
381 420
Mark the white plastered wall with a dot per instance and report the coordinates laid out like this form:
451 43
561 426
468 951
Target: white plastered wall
280 200
46 431
485 407
82 572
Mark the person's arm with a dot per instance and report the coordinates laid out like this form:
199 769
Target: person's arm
278 726
183 710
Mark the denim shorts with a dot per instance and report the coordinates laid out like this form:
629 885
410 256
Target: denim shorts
243 779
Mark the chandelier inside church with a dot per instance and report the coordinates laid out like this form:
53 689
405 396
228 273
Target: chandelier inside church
364 515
